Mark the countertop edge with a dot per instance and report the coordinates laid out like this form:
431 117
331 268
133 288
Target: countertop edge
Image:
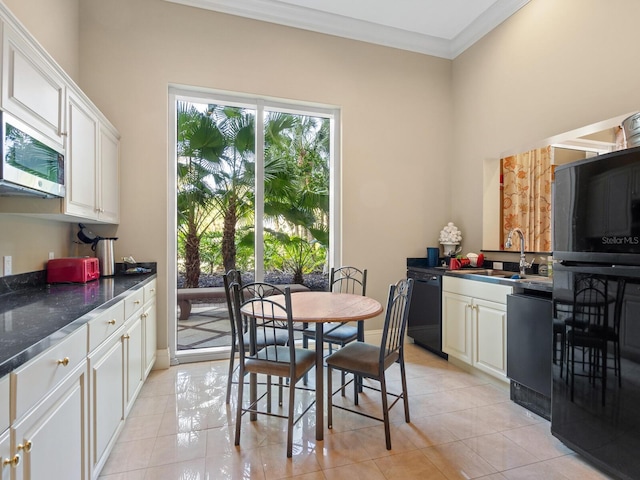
7 366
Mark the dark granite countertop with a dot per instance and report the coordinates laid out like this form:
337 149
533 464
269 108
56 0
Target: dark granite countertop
530 282
35 318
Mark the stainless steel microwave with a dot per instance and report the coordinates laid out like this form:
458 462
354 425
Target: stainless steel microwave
31 163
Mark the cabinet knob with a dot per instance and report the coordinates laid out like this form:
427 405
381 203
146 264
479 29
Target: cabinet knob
137 302
144 315
126 336
112 321
64 362
14 462
26 447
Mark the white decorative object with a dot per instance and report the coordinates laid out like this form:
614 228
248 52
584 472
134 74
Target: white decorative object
450 238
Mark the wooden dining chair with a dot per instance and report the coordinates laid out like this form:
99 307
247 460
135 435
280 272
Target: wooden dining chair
265 316
372 361
280 337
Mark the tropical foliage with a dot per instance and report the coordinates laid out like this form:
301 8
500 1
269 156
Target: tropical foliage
216 201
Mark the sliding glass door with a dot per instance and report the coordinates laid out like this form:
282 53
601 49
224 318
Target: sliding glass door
255 191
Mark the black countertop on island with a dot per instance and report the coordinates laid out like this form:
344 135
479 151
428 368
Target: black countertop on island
34 318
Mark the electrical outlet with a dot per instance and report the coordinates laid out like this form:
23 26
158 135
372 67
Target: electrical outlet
7 265
51 255
498 266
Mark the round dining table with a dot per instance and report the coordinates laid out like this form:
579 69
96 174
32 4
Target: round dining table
324 307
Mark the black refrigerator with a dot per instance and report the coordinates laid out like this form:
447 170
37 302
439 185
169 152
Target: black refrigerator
596 368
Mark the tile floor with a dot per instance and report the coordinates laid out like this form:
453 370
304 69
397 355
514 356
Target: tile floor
462 427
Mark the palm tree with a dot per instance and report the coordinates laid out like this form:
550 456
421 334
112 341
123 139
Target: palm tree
200 145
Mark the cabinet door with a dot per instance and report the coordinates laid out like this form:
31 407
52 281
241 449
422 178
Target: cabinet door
108 180
7 459
52 438
106 368
133 344
31 87
82 126
456 326
490 334
149 324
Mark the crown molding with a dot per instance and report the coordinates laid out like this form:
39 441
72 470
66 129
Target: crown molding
322 22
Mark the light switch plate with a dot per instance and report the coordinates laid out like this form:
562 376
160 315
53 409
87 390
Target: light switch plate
7 265
498 266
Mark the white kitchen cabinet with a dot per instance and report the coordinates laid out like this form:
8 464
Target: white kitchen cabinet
149 319
489 325
82 151
92 164
106 369
134 369
4 403
456 325
8 460
32 88
474 323
52 438
108 180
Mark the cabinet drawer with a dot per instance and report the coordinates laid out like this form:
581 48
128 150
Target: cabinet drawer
477 289
101 327
133 302
149 291
34 379
4 403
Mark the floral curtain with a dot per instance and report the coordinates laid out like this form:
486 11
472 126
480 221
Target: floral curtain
526 198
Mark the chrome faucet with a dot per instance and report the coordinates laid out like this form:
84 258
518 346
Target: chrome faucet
523 258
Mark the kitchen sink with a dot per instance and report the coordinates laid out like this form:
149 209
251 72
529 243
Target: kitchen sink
487 272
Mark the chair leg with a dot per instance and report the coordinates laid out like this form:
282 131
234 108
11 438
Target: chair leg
239 406
405 397
268 393
292 399
280 384
385 411
230 376
329 398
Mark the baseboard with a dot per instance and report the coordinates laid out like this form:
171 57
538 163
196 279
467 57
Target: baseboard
163 359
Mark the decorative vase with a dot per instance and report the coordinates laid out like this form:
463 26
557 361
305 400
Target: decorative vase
451 249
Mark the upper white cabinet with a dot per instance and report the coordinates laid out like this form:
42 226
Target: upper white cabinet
92 164
41 95
32 89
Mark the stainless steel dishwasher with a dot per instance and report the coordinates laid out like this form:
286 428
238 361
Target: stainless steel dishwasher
425 310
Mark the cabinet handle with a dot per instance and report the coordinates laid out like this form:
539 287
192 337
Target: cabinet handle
137 302
14 462
26 447
112 321
153 289
64 362
144 315
126 336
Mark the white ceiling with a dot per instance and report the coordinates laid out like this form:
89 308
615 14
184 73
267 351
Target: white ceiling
442 28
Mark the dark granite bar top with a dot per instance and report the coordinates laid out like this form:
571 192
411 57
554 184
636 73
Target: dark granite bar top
34 318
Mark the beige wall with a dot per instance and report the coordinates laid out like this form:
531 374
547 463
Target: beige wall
552 67
396 118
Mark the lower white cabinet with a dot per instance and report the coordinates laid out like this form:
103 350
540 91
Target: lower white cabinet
51 439
7 459
474 324
68 404
133 368
149 319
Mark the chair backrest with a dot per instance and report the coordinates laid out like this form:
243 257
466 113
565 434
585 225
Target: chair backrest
229 278
590 300
348 280
265 314
395 322
617 309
